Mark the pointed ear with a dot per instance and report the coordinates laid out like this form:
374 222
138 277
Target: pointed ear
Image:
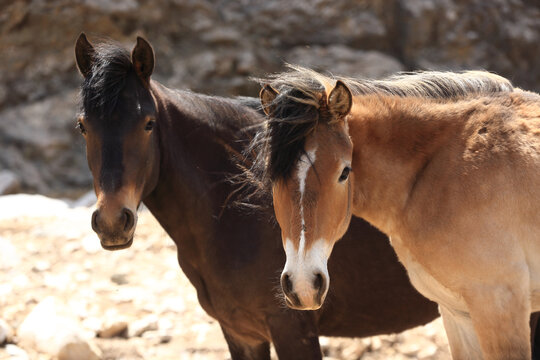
340 99
268 94
142 57
84 54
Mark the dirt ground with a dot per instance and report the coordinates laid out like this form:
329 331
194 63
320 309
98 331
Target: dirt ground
49 249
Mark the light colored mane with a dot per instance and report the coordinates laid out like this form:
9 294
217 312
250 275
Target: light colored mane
424 84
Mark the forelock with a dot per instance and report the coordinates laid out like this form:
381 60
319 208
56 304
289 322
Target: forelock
101 89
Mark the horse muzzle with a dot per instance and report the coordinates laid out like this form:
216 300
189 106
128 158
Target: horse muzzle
115 230
304 295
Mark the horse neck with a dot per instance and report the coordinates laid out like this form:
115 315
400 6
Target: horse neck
195 162
394 140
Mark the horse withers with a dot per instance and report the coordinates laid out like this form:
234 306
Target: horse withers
176 151
446 164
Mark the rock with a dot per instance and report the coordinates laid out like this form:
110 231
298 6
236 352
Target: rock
340 59
79 350
87 200
45 150
9 257
324 342
157 337
138 327
175 304
114 328
93 324
16 353
376 343
409 348
215 48
427 352
9 182
25 205
6 332
41 265
91 244
354 350
120 279
51 329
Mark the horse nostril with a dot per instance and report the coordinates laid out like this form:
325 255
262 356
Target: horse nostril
286 284
95 215
129 219
318 283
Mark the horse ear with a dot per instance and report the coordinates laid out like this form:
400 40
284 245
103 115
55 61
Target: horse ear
340 99
142 57
268 94
84 54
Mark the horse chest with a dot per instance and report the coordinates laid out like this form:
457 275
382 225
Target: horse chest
532 251
424 282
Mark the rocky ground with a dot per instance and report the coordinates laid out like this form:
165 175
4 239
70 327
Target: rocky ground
50 257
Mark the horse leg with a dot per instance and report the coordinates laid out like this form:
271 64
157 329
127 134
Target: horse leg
295 335
500 315
535 335
461 336
240 350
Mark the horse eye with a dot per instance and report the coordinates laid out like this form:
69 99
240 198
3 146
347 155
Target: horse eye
344 174
81 128
149 125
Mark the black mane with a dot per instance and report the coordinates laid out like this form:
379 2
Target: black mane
110 68
286 131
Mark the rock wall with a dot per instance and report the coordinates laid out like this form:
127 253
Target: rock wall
215 46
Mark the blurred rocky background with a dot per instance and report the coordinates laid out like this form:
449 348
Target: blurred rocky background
51 265
215 46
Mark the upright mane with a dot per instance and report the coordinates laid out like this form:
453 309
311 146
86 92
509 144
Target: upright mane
100 90
302 91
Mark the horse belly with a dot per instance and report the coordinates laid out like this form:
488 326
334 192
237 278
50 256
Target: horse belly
425 283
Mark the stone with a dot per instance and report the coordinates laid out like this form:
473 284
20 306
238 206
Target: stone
409 348
9 182
427 352
139 327
16 353
47 141
173 304
41 265
9 256
157 337
342 60
114 328
93 323
376 343
6 332
51 329
26 205
120 279
79 350
87 200
215 49
354 350
91 244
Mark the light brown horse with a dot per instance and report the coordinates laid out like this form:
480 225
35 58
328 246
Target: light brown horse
447 165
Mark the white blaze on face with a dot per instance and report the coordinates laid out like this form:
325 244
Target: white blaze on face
301 265
304 164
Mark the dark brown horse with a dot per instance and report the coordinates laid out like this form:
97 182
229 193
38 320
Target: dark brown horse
172 150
